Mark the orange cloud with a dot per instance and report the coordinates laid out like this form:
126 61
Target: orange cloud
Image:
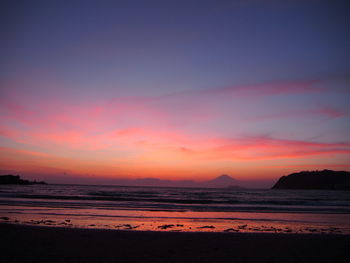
173 134
259 148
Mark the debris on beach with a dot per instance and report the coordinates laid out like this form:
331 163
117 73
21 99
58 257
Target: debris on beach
231 230
166 226
127 226
206 227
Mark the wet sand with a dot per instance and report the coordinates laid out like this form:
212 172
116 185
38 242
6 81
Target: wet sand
179 225
53 244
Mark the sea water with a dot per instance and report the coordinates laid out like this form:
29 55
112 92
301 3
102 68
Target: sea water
177 209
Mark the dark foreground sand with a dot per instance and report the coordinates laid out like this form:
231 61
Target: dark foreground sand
51 244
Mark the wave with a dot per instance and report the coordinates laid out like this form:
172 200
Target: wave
176 199
177 217
159 199
172 207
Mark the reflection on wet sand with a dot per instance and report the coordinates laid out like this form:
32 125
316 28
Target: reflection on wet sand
189 226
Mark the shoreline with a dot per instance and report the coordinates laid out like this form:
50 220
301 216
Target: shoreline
175 225
4 224
26 243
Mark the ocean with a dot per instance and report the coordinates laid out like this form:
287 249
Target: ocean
177 209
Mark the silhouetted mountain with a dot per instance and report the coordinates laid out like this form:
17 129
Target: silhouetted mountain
16 179
326 179
221 181
218 182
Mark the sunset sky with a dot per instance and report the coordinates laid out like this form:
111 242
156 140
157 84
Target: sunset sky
174 89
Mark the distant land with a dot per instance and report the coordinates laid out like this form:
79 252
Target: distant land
314 180
16 179
222 181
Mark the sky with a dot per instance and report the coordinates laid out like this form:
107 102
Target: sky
174 90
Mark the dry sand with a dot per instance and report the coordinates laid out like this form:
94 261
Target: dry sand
52 244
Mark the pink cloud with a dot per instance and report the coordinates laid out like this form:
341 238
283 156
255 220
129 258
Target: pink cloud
160 124
178 108
261 148
23 152
330 112
8 133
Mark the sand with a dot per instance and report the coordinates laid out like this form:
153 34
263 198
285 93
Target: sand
52 244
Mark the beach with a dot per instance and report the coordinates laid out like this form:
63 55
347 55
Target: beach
72 223
51 244
177 209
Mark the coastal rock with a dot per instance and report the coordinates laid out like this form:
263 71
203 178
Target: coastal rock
16 179
326 180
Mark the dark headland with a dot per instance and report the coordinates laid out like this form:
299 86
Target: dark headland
315 180
16 179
